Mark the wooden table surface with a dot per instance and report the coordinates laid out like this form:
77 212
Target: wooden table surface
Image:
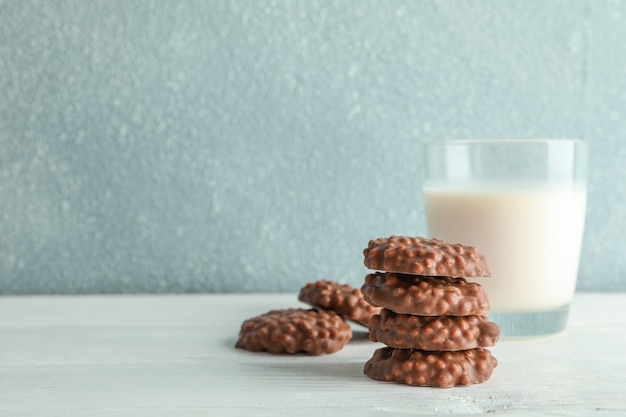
174 356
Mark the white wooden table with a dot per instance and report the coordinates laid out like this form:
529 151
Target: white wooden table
174 356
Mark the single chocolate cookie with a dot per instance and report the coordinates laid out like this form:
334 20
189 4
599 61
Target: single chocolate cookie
420 256
425 296
315 332
406 331
431 369
343 299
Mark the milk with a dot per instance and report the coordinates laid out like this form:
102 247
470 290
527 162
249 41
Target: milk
530 234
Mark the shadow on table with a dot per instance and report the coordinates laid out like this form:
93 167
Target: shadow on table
342 371
346 364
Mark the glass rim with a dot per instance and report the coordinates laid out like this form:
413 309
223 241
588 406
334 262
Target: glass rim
469 141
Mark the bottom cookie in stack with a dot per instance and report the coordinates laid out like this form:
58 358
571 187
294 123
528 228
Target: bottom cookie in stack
430 368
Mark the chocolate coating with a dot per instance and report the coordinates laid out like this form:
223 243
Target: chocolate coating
425 296
343 299
442 333
431 369
295 330
420 256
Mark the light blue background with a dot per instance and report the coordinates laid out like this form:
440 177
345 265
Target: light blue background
220 146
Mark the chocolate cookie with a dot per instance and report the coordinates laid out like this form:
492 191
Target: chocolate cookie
315 332
342 299
425 296
420 256
431 369
407 331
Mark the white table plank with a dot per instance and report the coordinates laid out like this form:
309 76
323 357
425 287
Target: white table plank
174 355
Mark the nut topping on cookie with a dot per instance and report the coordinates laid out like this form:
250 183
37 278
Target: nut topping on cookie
425 296
439 333
343 299
421 256
295 331
431 368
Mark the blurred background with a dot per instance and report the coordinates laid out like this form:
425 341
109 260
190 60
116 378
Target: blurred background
239 146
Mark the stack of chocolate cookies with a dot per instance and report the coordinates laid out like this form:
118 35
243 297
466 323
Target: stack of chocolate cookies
432 320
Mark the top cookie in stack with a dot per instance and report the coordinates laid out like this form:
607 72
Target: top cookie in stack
420 256
432 320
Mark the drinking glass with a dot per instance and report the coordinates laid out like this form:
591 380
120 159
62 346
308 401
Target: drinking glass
522 203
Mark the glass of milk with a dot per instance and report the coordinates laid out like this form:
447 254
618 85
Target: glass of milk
522 203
